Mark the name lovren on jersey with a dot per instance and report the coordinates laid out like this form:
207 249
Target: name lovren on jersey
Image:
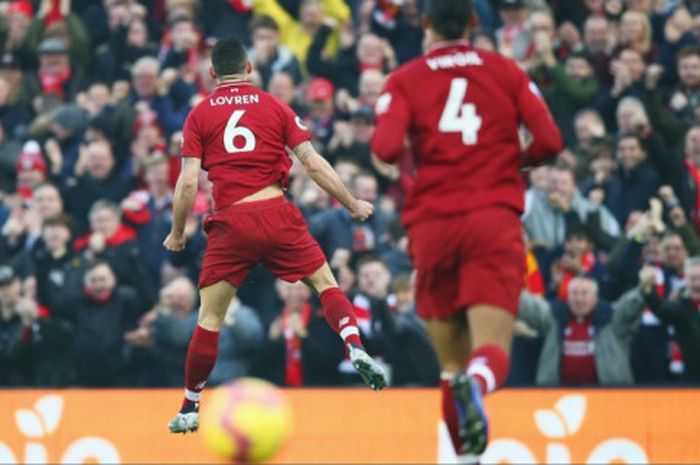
233 100
454 60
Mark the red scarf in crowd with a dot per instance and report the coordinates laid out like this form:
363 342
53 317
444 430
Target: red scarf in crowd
53 83
534 282
587 263
123 234
293 375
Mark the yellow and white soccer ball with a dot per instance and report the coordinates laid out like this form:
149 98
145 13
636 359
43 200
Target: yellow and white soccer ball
246 421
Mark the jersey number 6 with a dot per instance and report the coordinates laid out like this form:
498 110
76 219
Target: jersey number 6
232 132
459 116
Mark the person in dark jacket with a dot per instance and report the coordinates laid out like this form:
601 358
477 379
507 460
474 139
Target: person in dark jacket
100 316
369 52
114 242
683 314
301 349
267 55
634 183
173 328
335 229
95 179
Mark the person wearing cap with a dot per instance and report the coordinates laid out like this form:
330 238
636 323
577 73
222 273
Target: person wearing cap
513 14
568 88
56 75
31 168
320 99
68 126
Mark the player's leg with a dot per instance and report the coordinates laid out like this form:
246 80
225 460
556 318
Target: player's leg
340 316
451 340
202 351
490 278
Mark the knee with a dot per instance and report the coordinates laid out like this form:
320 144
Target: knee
210 320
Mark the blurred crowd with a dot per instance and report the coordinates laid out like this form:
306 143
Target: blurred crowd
93 95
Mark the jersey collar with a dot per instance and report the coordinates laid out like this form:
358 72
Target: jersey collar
236 83
447 44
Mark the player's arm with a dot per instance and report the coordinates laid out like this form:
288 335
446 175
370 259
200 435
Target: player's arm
388 142
325 176
546 139
185 193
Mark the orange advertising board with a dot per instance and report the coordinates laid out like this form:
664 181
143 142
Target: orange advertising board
358 426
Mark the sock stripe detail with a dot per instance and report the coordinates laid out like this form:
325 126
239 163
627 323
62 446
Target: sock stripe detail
485 373
192 396
349 331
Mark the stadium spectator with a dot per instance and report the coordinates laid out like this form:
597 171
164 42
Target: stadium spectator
681 313
241 339
94 178
550 214
635 181
149 211
570 86
55 75
267 55
301 350
100 313
112 241
586 340
297 34
405 341
370 52
172 329
335 229
33 345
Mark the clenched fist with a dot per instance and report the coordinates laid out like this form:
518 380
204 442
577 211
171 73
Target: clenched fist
361 210
174 243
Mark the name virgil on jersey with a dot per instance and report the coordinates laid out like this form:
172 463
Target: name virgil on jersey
454 60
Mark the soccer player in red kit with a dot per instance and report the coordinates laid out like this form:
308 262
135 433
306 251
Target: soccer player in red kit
243 138
462 109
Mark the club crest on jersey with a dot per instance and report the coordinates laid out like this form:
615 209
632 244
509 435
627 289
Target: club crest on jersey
300 124
233 100
383 103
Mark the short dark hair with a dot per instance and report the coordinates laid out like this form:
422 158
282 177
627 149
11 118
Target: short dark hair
688 50
449 18
58 220
263 22
229 57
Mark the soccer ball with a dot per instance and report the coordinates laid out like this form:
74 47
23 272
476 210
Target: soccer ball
246 421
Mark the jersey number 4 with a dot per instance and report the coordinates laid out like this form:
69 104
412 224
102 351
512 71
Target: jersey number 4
233 131
459 116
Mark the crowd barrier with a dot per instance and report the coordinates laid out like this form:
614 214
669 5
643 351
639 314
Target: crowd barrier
360 426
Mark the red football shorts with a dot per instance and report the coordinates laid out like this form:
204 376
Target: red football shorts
475 258
272 232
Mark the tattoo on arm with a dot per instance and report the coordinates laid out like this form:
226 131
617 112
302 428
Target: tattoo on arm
304 150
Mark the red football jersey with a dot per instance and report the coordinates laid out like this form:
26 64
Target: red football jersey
461 108
240 133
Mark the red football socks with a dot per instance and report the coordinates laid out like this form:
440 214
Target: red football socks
340 315
201 357
489 365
